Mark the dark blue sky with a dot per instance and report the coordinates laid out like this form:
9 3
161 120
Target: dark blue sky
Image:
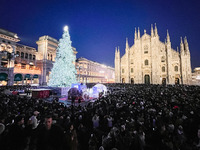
97 26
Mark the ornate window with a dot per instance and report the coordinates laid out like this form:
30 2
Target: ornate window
18 53
26 56
131 61
22 55
30 56
146 62
146 49
163 59
176 68
163 69
131 70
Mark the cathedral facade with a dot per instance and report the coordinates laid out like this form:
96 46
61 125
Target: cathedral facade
150 61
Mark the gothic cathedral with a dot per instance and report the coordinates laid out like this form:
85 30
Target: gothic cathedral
150 61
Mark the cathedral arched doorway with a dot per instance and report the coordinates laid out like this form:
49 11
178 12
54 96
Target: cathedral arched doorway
132 81
147 79
164 81
123 80
177 81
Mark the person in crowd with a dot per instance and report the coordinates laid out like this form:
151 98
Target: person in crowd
72 138
34 120
17 134
50 136
144 117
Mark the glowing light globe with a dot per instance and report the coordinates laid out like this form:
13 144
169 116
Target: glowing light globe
66 28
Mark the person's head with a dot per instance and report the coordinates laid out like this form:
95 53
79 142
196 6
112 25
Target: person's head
19 120
71 127
48 122
36 113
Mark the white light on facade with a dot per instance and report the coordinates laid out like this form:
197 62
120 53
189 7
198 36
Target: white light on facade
198 77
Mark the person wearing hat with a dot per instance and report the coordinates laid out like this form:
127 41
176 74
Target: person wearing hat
34 119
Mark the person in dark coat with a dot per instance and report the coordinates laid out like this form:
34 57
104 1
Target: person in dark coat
50 136
17 135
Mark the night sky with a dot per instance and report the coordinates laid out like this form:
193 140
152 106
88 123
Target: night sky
96 27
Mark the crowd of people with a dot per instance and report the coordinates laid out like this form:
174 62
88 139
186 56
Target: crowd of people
129 117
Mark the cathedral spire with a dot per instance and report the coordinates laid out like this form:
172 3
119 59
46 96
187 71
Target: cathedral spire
127 46
186 44
156 30
138 33
185 40
181 47
152 33
135 34
115 51
177 49
168 38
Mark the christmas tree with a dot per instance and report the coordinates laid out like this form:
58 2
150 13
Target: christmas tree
63 73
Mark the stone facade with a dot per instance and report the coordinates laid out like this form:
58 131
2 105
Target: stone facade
93 72
151 61
196 76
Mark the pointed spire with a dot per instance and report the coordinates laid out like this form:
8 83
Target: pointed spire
116 50
135 34
168 38
185 40
186 44
138 33
181 47
152 33
127 46
156 30
177 49
181 40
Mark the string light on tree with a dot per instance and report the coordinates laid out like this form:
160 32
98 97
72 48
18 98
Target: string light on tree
63 73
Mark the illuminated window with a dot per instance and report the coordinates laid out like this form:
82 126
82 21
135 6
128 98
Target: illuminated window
146 62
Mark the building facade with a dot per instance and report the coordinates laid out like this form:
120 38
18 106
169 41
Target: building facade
151 61
17 62
196 76
22 65
92 72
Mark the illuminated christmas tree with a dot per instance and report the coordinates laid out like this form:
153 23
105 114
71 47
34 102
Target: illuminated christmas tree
63 73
